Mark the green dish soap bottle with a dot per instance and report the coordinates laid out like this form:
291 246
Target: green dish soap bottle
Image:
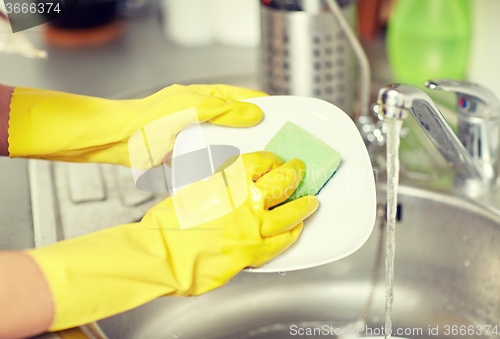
429 39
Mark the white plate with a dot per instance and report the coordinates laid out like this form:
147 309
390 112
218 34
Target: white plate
346 214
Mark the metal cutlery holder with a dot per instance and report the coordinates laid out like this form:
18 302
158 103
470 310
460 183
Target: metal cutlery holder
307 54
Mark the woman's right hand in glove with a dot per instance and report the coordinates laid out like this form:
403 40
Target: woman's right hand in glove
191 243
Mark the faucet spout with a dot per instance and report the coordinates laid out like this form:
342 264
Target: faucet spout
472 170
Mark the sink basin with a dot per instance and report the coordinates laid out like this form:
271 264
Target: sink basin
447 274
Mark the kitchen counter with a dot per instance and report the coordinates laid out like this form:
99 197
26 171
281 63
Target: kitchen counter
141 58
16 226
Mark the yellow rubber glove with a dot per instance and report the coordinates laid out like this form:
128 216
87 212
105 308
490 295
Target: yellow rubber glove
113 270
60 126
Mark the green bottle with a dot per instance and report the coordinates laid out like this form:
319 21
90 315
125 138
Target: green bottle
429 39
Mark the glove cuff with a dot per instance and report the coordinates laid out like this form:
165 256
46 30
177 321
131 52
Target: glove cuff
103 273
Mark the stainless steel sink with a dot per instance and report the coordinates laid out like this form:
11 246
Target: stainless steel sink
447 273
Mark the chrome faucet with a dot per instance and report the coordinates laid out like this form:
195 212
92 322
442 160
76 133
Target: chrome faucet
474 153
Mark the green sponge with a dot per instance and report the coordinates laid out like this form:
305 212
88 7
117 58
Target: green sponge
321 160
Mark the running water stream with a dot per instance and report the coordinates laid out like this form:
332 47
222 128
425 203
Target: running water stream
392 144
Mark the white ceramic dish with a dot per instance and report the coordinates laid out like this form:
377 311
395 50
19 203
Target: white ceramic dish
346 214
